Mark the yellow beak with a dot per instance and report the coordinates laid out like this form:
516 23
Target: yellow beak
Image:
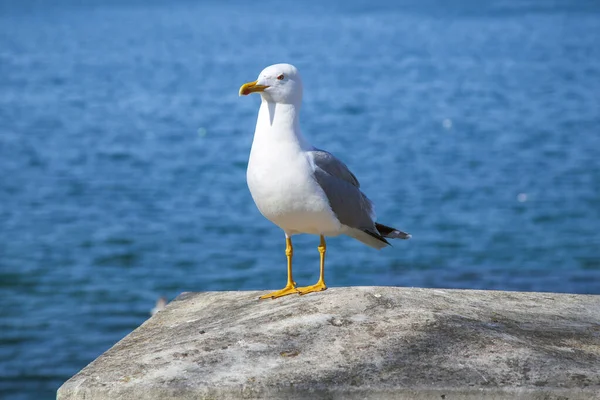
251 87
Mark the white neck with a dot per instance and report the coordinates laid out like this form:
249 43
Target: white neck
278 122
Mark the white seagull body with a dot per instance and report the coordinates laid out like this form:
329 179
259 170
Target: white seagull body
300 188
281 177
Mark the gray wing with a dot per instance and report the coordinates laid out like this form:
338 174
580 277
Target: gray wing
333 166
349 204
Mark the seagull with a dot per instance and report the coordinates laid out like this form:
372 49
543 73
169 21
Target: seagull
298 187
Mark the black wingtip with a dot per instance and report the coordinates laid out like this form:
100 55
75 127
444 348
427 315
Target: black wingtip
377 236
392 233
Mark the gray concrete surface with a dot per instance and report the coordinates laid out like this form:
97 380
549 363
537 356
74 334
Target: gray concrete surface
356 343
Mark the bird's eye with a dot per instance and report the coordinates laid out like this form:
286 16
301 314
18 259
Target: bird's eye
280 77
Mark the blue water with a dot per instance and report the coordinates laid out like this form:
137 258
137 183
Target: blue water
123 148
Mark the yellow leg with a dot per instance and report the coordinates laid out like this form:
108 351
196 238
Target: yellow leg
320 285
290 288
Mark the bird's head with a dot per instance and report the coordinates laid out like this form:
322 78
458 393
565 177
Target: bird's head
279 83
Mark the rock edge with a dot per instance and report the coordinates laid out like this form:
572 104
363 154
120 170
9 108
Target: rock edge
356 343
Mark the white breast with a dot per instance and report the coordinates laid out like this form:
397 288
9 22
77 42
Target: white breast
280 179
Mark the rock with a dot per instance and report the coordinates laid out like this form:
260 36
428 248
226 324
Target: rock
356 343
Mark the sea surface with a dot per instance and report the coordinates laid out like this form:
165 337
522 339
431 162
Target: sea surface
475 126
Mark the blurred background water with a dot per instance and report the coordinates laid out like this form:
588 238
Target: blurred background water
123 148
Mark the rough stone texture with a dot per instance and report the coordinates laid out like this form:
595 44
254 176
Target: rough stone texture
356 343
